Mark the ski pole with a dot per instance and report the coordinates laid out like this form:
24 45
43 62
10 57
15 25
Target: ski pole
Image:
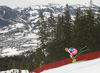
81 52
82 48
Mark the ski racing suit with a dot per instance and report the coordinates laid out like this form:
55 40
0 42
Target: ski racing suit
72 51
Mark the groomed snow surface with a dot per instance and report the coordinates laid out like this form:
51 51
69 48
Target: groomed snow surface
91 66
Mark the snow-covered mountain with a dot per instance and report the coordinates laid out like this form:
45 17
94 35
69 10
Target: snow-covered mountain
18 26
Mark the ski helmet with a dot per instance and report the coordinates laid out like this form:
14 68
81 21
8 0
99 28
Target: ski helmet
66 49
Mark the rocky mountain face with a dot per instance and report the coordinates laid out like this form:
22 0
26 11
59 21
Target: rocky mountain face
8 15
18 26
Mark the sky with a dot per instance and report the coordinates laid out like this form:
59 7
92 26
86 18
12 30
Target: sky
25 3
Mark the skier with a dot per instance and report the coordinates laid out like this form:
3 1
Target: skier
72 51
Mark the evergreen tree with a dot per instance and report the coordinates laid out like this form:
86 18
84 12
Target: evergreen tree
67 28
51 27
59 43
90 28
83 31
14 66
38 61
51 39
76 28
43 34
42 30
97 30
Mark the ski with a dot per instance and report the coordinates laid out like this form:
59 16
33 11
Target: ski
80 51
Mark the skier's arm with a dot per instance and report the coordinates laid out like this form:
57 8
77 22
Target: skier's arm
71 54
69 51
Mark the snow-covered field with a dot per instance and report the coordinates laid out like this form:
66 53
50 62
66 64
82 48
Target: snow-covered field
91 66
11 51
15 40
15 71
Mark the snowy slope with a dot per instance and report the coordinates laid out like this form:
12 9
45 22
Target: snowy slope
15 40
15 71
91 66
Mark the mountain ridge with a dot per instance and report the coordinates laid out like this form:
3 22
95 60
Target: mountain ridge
20 32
